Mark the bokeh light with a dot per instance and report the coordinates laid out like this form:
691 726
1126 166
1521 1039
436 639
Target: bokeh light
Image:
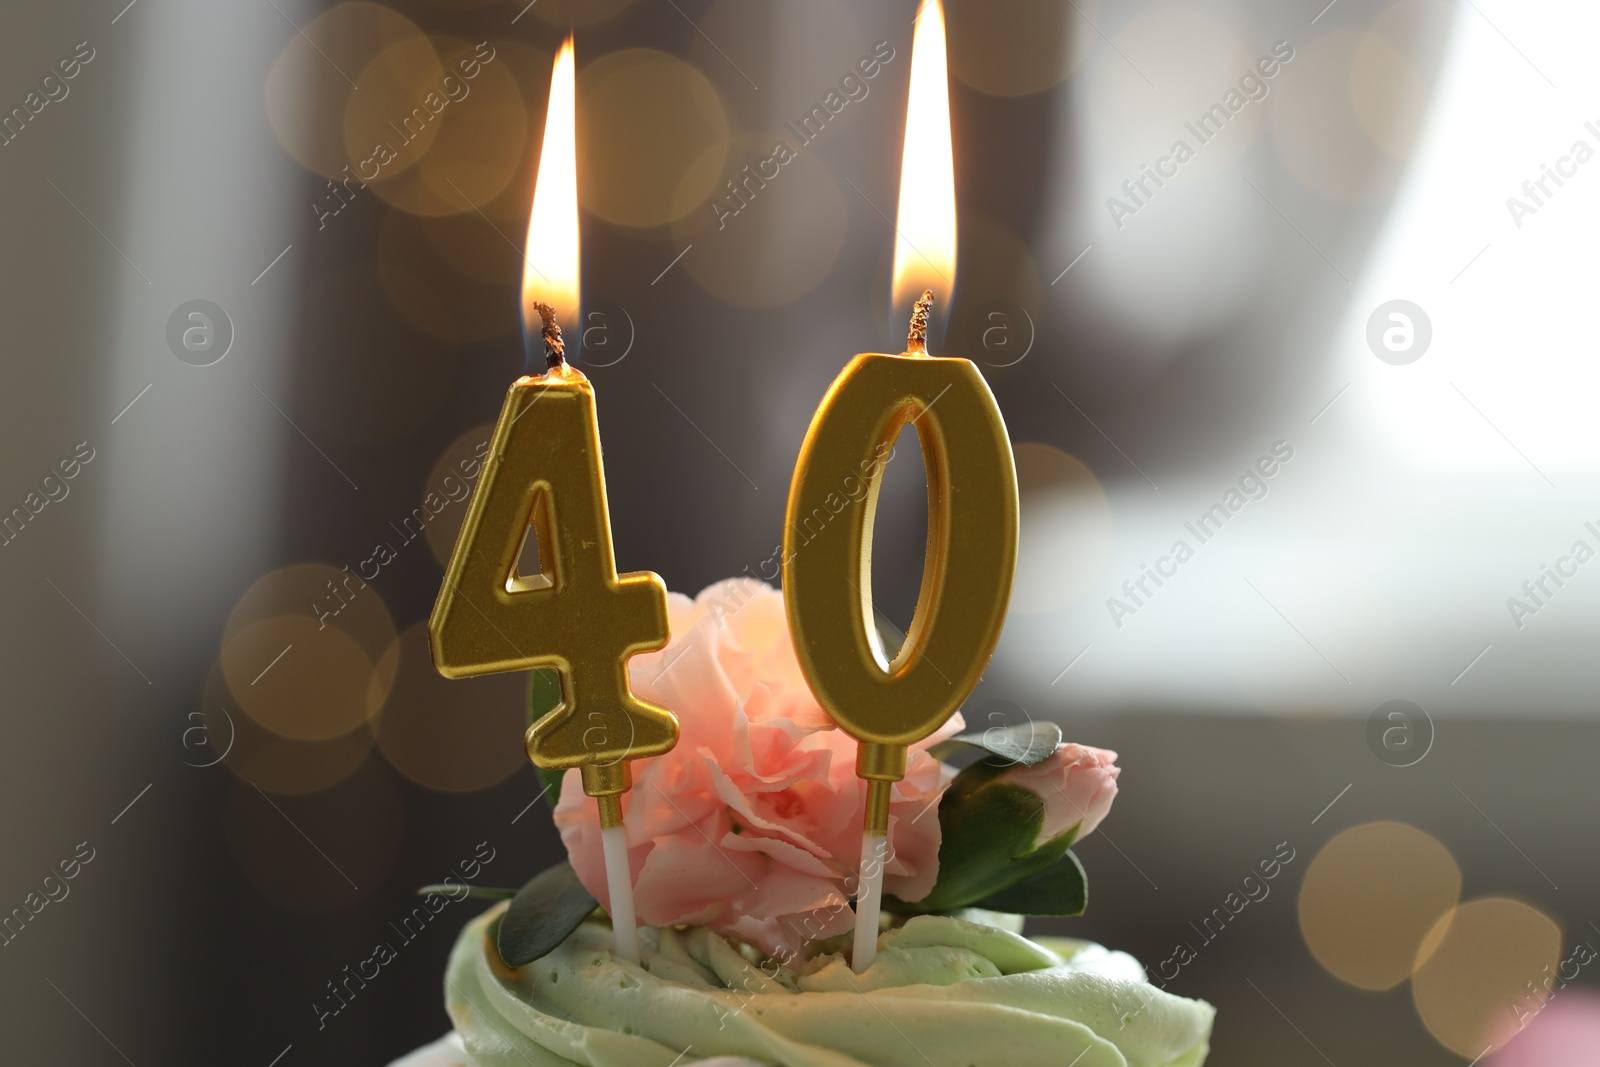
388 123
1483 974
301 651
480 140
529 67
313 79
298 680
321 593
1370 899
268 760
652 137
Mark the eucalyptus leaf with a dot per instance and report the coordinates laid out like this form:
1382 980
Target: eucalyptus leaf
544 696
542 914
1027 743
1060 889
481 892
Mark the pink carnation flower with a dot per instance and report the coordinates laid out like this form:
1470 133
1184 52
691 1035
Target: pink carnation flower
1077 784
752 824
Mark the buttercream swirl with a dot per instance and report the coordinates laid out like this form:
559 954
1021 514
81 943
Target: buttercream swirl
944 992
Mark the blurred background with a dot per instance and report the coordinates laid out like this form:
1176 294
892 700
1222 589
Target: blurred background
1302 415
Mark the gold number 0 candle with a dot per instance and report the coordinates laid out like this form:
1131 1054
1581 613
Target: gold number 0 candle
578 615
971 555
971 551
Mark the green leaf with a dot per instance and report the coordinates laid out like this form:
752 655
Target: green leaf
1060 889
989 828
481 892
544 695
542 914
1028 743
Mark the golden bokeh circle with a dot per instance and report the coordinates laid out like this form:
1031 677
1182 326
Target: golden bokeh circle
1018 47
1370 898
387 125
312 80
1472 990
478 145
1064 537
267 760
297 680
301 651
652 137
322 593
454 472
319 853
530 68
434 297
453 736
778 243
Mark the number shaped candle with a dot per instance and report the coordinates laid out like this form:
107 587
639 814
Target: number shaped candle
971 552
578 615
884 704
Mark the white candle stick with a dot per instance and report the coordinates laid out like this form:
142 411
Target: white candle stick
619 886
869 899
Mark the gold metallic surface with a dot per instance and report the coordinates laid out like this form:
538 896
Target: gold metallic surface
579 616
876 820
967 572
610 805
878 762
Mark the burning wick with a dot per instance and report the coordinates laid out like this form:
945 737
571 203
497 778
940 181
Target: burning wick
917 337
554 347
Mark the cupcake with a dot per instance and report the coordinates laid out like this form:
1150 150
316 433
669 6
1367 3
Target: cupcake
743 842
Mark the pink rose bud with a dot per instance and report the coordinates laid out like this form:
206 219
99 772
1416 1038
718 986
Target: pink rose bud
1077 784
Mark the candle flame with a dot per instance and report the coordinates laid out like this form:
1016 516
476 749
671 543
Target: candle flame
925 251
550 264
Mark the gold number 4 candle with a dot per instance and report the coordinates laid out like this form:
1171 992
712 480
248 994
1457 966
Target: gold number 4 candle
578 614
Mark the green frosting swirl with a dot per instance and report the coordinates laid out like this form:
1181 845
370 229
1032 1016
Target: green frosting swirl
944 992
